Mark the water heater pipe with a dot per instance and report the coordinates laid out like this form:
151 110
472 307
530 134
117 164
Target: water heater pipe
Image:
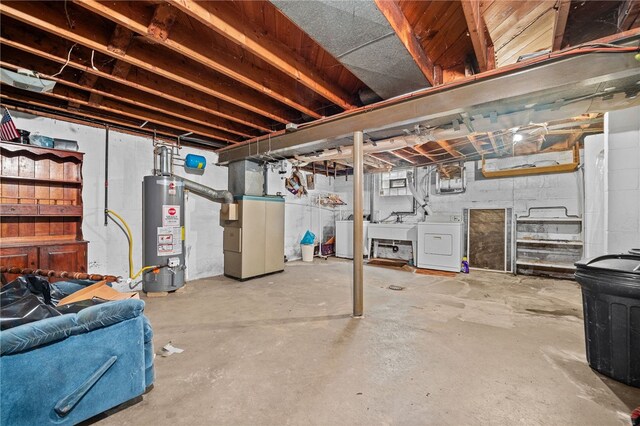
217 195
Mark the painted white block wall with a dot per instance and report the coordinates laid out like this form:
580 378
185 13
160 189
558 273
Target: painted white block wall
519 193
130 159
622 180
594 210
302 214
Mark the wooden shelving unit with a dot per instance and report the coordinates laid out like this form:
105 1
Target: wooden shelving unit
548 246
41 208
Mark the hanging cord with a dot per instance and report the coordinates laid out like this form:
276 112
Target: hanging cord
130 236
93 52
67 62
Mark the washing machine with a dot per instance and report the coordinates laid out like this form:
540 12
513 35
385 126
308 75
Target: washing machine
440 244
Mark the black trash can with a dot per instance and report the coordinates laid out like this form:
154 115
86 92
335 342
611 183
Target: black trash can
611 302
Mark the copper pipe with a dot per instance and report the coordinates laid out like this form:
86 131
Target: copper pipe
59 274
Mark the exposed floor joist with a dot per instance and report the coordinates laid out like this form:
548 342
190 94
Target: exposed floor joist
31 43
560 23
185 42
117 92
50 19
217 17
391 10
479 34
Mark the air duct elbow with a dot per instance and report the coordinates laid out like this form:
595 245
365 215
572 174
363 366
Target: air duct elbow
219 196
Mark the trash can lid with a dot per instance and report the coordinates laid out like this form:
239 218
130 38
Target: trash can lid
629 263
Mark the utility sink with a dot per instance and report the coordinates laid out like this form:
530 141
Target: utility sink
394 232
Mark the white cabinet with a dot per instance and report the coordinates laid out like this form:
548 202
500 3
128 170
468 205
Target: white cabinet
344 238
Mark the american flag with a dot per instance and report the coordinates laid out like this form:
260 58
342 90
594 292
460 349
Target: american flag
9 130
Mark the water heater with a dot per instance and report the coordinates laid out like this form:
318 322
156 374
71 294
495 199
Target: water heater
163 233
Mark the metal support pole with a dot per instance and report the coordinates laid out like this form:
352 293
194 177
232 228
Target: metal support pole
357 225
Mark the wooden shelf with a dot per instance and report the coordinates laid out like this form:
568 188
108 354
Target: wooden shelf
550 242
51 240
62 210
545 264
41 209
43 180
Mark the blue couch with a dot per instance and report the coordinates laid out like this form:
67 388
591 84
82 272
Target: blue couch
68 368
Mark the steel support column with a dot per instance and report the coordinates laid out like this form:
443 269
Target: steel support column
358 197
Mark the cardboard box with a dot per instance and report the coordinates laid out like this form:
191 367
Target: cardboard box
99 290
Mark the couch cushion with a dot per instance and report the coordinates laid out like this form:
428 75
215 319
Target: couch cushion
34 334
106 314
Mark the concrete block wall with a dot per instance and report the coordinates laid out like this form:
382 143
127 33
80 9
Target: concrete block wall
302 214
594 211
519 193
622 180
130 160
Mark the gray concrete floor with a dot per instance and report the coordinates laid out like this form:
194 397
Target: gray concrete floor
484 348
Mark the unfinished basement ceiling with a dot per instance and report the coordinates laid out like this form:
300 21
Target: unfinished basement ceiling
221 73
360 37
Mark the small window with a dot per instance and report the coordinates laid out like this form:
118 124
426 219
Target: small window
394 183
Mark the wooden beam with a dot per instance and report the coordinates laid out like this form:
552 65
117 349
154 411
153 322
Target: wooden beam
139 80
48 18
185 42
398 21
164 16
82 120
452 151
475 144
560 23
20 98
492 139
422 151
380 159
122 93
479 34
628 15
120 109
120 40
397 154
218 17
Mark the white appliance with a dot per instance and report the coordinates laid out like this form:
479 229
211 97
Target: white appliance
440 245
393 232
344 238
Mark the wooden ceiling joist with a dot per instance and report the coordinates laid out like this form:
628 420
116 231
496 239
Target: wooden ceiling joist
475 143
124 94
398 21
452 151
118 108
422 151
402 157
140 80
164 16
52 20
628 15
217 17
186 42
482 45
560 23
11 99
494 144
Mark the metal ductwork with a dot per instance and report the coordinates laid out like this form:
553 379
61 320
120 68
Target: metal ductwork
360 37
220 196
